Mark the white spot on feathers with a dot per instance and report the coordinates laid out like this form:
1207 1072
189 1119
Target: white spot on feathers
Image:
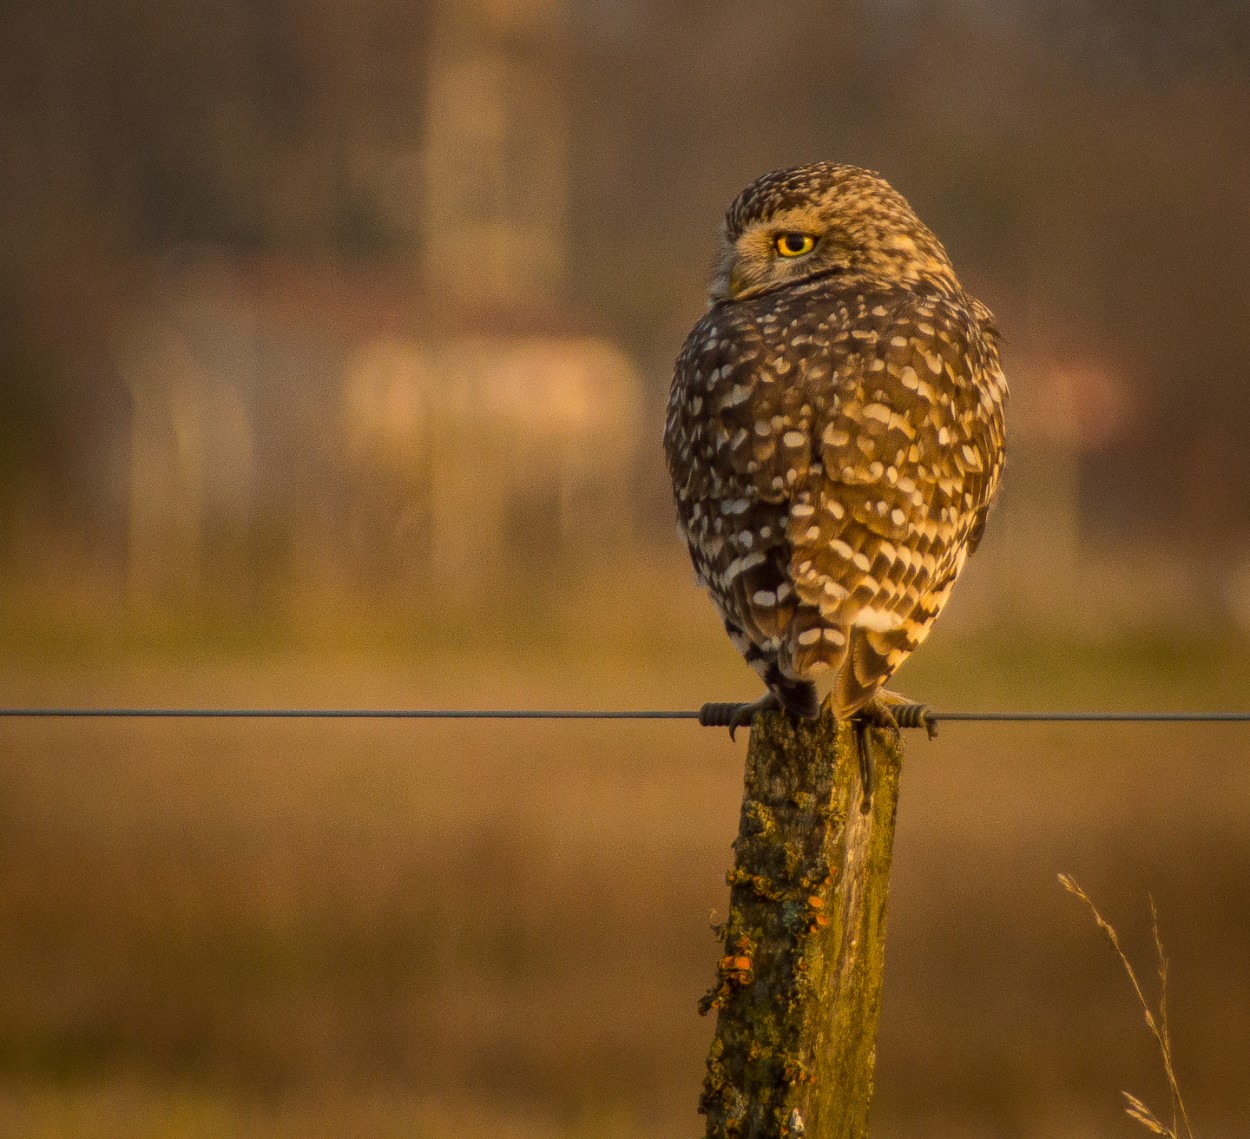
877 620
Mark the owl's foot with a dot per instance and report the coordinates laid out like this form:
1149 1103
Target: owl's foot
735 716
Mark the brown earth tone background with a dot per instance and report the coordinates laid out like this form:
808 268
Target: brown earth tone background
334 343
418 929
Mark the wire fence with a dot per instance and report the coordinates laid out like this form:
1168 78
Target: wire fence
1147 717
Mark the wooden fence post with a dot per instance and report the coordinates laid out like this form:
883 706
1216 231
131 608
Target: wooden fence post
798 990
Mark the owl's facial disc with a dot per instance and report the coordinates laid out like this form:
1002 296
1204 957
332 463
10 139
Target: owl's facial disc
791 226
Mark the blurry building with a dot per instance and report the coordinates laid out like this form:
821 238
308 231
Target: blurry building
383 429
319 424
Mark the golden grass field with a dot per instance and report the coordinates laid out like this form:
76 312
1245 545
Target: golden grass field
291 929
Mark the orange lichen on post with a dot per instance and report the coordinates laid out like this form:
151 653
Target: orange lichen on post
798 991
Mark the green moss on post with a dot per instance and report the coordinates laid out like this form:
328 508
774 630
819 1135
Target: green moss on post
798 990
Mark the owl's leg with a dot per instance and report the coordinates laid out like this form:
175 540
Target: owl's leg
742 715
798 699
875 714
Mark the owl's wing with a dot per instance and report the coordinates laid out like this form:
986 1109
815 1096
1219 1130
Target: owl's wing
907 458
736 449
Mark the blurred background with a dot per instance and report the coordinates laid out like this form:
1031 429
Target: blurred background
334 345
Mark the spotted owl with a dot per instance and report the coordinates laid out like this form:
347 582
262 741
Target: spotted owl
834 435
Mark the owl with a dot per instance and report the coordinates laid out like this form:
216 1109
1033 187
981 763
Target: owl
834 438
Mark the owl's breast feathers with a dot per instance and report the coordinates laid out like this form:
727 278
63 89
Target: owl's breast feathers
833 456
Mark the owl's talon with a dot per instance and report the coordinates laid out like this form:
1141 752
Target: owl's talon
717 713
887 712
867 769
735 716
745 713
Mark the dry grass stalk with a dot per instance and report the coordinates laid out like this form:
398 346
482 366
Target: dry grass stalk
1156 1020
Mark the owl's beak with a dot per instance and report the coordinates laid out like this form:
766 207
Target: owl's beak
733 278
722 287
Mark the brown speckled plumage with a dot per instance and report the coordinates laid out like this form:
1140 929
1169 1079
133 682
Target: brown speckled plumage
834 434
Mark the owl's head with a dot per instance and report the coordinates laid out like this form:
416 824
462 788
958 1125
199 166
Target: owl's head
825 220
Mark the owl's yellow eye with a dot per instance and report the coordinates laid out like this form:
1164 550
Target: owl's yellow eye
795 244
